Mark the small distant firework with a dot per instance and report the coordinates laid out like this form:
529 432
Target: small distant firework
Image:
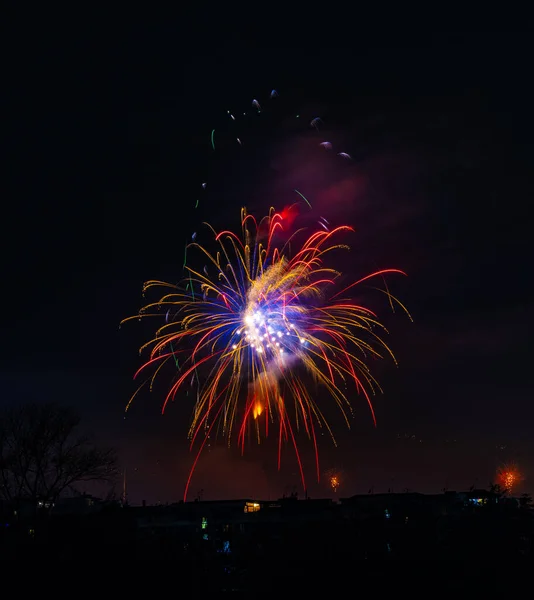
508 476
334 478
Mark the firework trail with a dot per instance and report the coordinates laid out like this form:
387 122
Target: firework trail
261 326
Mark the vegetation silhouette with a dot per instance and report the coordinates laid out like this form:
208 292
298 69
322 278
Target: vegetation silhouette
43 456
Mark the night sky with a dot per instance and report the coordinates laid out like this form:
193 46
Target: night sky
108 142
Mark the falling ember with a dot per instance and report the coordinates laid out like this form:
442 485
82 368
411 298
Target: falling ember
257 410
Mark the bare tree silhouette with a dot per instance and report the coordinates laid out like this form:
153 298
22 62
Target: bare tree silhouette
42 456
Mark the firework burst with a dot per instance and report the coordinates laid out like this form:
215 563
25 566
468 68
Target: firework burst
334 478
259 328
508 476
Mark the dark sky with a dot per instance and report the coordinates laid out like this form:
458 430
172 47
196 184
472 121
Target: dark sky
108 140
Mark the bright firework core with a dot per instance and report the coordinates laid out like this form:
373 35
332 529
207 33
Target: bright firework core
270 335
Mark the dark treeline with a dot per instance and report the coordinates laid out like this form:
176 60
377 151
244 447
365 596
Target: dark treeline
289 543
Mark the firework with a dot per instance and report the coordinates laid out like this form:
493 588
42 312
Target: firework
259 328
508 476
334 478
